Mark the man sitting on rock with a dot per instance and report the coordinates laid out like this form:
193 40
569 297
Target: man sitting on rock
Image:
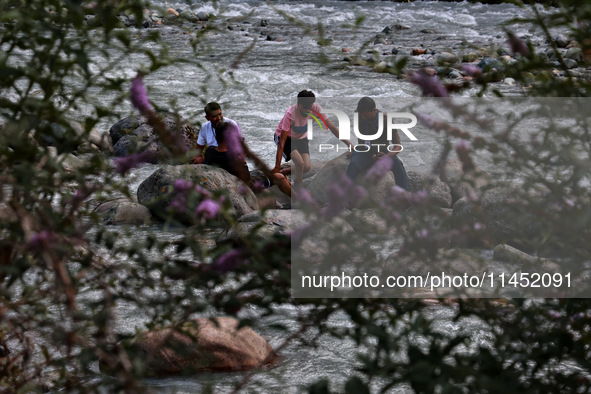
213 113
220 156
362 160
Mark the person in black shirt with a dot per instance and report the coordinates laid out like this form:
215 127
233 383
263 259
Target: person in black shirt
363 160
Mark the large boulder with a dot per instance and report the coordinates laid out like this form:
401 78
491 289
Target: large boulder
122 211
135 135
267 223
438 191
461 184
202 345
334 172
158 191
500 211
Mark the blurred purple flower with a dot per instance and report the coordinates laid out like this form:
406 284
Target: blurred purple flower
208 209
179 203
42 240
462 145
379 169
471 70
201 190
233 140
139 95
517 44
428 121
182 185
430 85
230 260
126 163
304 197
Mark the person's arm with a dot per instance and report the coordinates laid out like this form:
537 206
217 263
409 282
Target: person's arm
395 141
280 147
335 131
199 157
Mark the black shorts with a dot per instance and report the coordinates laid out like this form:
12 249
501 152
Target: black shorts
290 145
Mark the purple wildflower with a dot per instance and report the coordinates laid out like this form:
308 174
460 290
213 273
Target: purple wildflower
305 197
471 70
430 85
208 209
201 190
379 169
139 96
179 203
428 121
233 141
126 163
42 240
229 260
517 45
462 145
182 185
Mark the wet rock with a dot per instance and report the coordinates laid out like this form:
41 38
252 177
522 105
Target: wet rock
268 223
264 23
172 12
418 51
158 193
395 51
446 58
461 184
134 135
488 64
202 16
438 191
574 53
499 211
122 211
570 63
470 57
202 345
454 74
561 40
334 171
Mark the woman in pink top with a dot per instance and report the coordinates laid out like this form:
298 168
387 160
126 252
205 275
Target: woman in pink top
291 135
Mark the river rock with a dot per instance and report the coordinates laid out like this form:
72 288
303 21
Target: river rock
123 211
438 191
574 53
134 135
157 192
446 58
461 184
202 345
499 212
561 40
333 173
268 223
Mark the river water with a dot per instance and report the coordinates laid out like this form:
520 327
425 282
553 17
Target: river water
284 60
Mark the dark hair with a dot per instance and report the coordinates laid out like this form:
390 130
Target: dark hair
366 104
210 107
220 129
306 98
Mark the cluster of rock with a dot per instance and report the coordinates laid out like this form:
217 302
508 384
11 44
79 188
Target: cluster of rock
381 57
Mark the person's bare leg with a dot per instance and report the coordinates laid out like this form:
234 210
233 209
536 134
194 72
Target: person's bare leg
283 184
298 169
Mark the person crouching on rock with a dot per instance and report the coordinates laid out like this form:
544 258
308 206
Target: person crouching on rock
229 157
